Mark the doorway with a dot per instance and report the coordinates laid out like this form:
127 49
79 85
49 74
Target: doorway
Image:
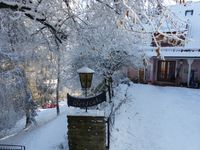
166 71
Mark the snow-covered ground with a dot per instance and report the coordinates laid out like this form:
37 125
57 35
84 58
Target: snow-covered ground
49 134
158 118
150 118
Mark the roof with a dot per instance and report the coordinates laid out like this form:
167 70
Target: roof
174 52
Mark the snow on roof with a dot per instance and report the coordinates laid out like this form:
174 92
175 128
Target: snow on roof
189 13
85 70
174 52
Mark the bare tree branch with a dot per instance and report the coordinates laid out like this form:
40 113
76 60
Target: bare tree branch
108 6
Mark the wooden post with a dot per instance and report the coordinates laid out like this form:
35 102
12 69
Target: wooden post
108 133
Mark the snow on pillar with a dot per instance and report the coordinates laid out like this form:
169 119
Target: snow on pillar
189 61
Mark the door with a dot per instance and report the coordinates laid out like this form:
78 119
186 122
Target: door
166 71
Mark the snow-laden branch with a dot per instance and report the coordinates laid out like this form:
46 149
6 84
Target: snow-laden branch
34 15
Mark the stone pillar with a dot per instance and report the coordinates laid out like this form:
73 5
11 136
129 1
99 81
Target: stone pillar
86 132
144 74
189 61
151 71
155 71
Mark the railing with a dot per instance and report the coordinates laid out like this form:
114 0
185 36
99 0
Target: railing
11 147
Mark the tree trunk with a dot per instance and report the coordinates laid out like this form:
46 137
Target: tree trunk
58 79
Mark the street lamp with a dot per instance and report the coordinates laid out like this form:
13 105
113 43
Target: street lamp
85 75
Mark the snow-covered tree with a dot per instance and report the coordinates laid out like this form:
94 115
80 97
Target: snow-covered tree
56 37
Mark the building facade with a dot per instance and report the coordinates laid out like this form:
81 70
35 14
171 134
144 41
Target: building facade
180 61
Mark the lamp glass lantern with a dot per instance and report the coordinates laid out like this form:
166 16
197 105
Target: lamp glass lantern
85 75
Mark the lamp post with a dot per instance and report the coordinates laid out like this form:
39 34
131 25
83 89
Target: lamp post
85 75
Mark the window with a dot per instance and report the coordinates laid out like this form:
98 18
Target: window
189 12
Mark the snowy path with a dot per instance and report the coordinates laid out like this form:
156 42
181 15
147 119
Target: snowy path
158 118
48 135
